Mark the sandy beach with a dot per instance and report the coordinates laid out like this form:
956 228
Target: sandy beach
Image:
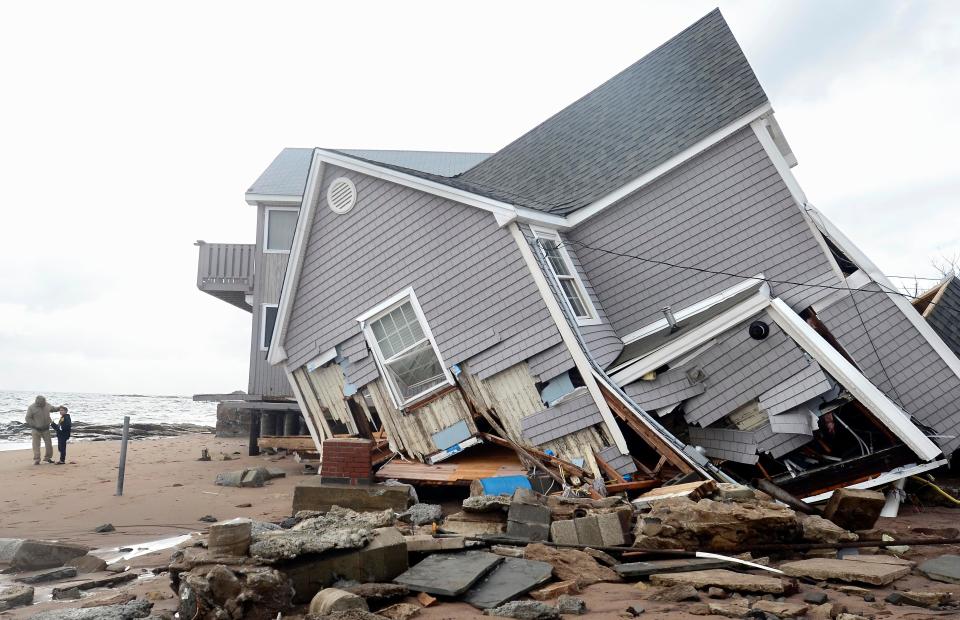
166 490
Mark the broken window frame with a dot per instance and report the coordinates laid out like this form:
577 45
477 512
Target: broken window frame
571 277
367 320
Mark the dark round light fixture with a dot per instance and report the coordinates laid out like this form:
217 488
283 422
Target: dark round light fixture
759 330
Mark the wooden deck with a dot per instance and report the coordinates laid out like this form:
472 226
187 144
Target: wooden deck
461 470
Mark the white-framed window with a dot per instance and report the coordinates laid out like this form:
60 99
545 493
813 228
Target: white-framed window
404 348
268 319
566 276
278 227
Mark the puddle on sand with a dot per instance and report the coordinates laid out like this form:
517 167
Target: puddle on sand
113 554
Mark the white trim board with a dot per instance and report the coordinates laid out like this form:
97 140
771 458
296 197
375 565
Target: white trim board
891 476
255 199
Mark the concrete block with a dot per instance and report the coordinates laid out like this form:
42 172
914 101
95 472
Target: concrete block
611 530
529 513
564 532
854 509
315 495
254 477
528 531
476 524
588 531
230 538
385 557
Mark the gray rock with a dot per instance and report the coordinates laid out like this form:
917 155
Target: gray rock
88 564
103 529
422 514
37 554
70 594
449 574
208 519
572 605
525 610
511 578
128 611
486 503
229 478
259 527
945 568
56 574
815 597
14 596
256 477
635 610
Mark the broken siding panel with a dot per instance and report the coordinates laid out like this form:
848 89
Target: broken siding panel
622 463
668 388
727 444
360 367
314 408
576 412
550 363
779 444
739 369
327 383
466 271
516 349
944 316
388 414
793 422
798 389
919 380
512 394
726 209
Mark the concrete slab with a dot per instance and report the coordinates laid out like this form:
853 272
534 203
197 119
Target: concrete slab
660 567
721 578
846 570
315 495
507 581
449 574
945 568
880 558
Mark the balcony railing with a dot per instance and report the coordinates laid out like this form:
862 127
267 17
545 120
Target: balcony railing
226 271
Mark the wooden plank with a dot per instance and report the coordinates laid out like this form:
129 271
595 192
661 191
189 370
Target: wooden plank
648 436
634 485
290 442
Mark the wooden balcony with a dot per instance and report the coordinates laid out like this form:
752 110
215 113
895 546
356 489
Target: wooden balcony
226 271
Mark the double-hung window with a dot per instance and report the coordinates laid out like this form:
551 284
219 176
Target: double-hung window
566 276
400 339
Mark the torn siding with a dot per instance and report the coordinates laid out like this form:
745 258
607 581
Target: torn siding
777 444
360 366
738 369
727 444
798 389
911 373
573 413
797 422
327 384
511 394
726 209
466 271
667 389
578 444
622 463
548 364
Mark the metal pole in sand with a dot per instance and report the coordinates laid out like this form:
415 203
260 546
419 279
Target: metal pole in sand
123 454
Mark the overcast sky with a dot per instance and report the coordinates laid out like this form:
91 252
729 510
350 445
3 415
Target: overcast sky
128 130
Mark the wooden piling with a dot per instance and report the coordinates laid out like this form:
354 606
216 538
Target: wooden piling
123 454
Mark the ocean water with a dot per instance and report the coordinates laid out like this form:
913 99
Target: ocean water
109 409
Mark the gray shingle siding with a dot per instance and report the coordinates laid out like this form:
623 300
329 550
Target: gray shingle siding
572 414
944 317
796 390
620 462
466 271
778 444
726 209
667 389
919 380
727 444
549 363
739 369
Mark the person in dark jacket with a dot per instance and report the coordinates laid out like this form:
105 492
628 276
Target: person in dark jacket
62 427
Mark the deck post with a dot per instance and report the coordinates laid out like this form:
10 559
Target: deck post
253 446
123 454
291 424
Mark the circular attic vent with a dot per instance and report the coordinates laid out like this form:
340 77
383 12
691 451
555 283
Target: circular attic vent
341 195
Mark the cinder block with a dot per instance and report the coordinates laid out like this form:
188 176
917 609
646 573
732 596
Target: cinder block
529 531
529 513
564 532
588 531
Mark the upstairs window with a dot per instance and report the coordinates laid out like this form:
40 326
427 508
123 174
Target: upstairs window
268 319
401 341
278 229
566 276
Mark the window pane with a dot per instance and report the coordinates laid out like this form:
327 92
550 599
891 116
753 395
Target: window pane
557 263
416 371
269 320
280 228
572 293
397 330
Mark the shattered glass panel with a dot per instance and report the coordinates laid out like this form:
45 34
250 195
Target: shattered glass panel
416 371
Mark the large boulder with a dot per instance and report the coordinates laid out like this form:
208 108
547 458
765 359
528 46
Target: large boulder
217 591
570 564
680 523
15 596
37 554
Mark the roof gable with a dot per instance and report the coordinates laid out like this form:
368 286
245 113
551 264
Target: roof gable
688 88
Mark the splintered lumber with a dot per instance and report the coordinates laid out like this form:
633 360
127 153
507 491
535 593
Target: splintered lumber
692 490
634 485
609 471
290 443
648 436
462 469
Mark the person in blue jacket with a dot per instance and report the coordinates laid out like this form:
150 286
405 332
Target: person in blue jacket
62 427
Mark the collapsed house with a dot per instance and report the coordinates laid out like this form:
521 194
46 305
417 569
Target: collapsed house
638 286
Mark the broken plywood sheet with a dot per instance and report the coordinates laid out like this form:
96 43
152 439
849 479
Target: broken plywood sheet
449 574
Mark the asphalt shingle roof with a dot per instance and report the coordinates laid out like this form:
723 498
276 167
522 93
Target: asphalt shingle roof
691 86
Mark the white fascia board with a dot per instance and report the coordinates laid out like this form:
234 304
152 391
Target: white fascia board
760 128
255 199
291 277
431 187
853 380
696 308
695 337
891 476
903 304
599 205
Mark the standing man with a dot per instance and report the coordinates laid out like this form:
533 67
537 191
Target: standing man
38 420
